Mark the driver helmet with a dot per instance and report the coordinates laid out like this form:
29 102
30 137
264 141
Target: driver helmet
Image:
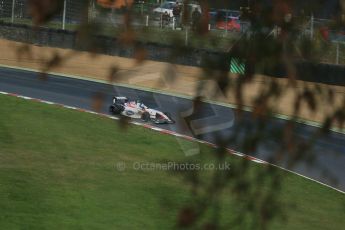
139 104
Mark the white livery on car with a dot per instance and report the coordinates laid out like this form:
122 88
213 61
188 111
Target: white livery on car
137 110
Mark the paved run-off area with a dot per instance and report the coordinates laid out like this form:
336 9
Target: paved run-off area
174 79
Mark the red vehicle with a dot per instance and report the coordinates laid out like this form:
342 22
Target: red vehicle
225 20
232 24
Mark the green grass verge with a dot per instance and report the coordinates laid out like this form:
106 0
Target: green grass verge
57 172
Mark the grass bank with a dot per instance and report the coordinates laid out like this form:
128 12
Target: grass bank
59 170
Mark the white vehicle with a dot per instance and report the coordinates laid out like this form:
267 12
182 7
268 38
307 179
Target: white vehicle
137 110
165 7
169 6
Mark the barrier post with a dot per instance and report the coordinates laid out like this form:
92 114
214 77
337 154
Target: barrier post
337 55
161 20
186 38
12 13
226 23
312 27
64 15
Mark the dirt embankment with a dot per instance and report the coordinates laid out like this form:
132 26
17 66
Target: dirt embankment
158 75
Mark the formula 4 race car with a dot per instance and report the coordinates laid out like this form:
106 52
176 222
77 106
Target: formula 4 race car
136 109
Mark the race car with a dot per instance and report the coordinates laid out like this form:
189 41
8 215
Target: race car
136 109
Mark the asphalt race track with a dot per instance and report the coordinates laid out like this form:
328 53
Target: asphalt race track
208 122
